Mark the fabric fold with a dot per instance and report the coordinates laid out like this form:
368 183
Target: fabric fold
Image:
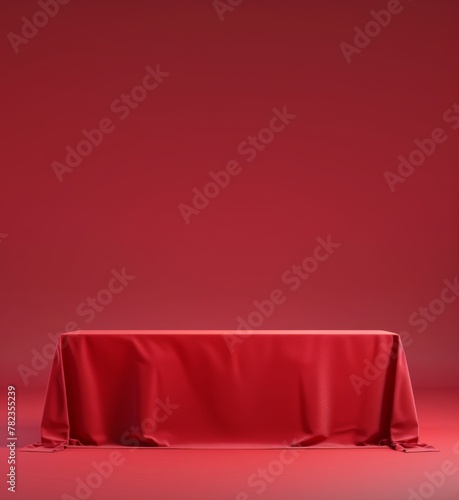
193 389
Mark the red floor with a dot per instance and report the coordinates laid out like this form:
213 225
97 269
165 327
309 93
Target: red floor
250 474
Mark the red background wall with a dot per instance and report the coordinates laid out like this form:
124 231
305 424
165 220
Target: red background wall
323 175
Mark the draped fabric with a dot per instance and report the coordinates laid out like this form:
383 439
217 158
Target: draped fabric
230 389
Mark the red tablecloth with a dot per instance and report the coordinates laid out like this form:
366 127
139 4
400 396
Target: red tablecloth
212 389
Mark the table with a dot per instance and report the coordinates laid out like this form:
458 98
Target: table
227 389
